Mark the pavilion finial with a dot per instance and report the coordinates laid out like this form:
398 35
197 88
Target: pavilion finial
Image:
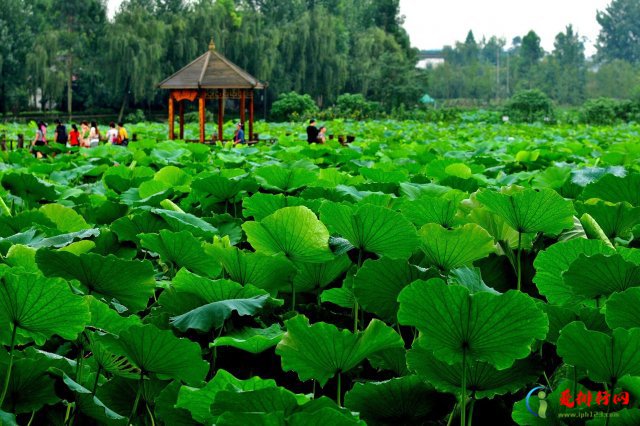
212 45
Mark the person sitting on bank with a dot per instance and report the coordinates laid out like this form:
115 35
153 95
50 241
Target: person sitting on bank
322 137
112 134
312 132
40 139
238 136
123 136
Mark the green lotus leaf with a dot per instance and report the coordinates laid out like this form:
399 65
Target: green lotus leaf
198 400
23 221
616 220
342 297
622 309
406 400
106 319
321 350
22 256
378 282
499 229
624 417
284 179
615 189
108 359
130 282
531 210
457 325
121 179
30 387
266 400
119 394
269 272
159 352
451 248
127 228
179 221
28 187
321 417
33 238
7 419
78 248
371 228
39 308
551 263
413 191
483 379
220 188
253 340
65 218
165 408
182 250
394 360
312 276
261 205
440 210
172 176
555 414
232 418
213 315
599 276
294 231
471 278
606 358
88 404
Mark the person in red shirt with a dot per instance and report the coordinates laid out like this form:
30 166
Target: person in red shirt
74 136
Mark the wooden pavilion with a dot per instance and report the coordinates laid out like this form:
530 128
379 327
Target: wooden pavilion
214 77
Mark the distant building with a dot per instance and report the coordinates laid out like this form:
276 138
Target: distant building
430 58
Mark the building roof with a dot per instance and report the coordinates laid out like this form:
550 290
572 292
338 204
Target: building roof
211 71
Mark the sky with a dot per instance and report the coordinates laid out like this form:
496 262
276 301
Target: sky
432 24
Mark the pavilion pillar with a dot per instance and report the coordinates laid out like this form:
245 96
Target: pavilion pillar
251 115
201 99
171 116
181 115
220 113
243 106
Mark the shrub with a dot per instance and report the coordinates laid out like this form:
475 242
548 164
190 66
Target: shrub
529 106
135 117
606 111
293 107
356 106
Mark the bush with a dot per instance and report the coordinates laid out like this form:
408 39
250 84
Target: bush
606 111
355 106
293 107
135 117
194 117
529 106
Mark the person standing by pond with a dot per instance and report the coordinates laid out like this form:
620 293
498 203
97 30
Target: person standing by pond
60 135
238 137
312 132
322 137
40 139
74 136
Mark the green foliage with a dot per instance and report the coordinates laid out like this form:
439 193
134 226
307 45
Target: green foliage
529 106
293 107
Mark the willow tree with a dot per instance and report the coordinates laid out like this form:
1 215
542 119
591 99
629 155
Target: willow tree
46 70
135 45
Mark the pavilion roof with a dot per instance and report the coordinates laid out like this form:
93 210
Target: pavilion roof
211 71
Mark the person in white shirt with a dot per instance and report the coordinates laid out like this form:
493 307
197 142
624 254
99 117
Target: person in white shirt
112 134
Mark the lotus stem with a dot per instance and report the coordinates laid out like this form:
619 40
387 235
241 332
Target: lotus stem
7 377
95 383
137 400
518 264
4 207
153 422
33 415
356 307
471 405
293 296
338 394
455 406
613 389
463 399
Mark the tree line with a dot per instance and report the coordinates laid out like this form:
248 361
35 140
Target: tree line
68 54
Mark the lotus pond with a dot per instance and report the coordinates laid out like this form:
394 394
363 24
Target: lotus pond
470 273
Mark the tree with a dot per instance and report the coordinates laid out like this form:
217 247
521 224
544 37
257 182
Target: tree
530 53
571 73
616 79
620 31
15 33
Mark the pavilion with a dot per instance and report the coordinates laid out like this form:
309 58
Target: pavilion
210 76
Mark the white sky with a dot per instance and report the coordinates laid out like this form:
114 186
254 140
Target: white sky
432 24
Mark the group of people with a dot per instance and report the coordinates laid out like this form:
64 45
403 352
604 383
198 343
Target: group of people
88 136
314 134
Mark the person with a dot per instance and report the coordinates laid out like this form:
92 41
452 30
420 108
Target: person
84 134
322 137
238 136
40 139
94 135
60 134
312 132
123 136
112 134
74 136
